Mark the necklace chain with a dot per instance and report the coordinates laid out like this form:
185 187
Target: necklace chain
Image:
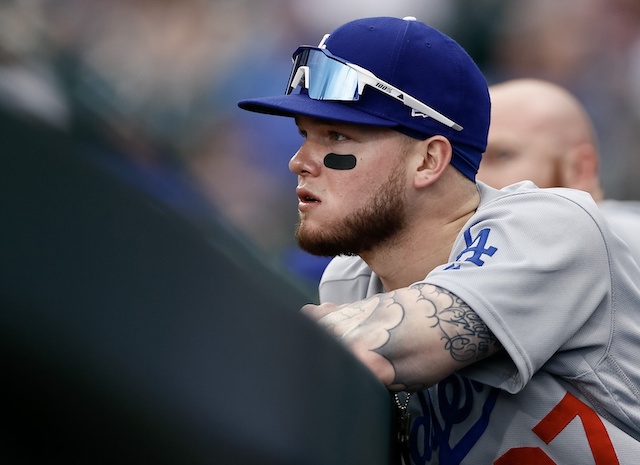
406 401
403 418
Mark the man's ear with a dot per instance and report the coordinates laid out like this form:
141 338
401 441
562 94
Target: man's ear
436 155
582 168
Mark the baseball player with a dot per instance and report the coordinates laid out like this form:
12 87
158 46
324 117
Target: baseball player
504 321
540 132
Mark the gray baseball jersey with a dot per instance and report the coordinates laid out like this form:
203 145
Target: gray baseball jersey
559 290
624 218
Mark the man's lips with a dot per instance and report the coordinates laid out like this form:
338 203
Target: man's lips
305 197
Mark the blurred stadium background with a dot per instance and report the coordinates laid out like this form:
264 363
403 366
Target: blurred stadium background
150 86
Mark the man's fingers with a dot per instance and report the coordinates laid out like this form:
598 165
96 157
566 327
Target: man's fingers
316 312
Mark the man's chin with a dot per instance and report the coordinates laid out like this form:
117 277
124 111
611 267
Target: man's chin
318 244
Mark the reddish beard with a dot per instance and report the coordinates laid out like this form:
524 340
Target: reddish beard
364 229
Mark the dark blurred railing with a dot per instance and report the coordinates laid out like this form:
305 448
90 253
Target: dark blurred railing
132 334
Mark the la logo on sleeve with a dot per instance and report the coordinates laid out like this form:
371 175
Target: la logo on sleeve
475 250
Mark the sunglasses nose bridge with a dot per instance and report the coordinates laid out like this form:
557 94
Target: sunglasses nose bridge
332 78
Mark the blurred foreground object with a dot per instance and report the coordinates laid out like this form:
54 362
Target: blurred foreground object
131 335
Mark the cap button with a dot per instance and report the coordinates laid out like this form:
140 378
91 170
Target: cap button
410 18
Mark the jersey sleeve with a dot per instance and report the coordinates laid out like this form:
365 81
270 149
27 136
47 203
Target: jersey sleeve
534 266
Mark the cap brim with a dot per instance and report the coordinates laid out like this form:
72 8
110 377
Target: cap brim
299 104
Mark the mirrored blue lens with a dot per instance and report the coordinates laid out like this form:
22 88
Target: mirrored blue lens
328 78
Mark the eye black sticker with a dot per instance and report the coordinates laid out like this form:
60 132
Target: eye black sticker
340 162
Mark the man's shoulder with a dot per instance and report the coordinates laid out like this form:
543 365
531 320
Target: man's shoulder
529 188
622 215
624 218
526 198
623 208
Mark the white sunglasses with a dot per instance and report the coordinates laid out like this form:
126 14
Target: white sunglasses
327 77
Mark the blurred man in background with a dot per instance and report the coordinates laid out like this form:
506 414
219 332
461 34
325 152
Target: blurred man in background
539 131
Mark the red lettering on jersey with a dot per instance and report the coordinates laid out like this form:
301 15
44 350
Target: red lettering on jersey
524 456
557 420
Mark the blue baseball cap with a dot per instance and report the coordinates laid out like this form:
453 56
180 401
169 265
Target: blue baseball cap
402 60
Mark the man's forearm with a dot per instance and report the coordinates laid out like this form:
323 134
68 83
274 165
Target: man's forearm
410 338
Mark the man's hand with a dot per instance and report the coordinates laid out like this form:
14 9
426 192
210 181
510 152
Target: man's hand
363 327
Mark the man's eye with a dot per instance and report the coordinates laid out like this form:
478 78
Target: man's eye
336 136
500 156
505 155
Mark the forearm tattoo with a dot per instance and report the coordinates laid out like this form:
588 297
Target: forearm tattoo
465 336
405 335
